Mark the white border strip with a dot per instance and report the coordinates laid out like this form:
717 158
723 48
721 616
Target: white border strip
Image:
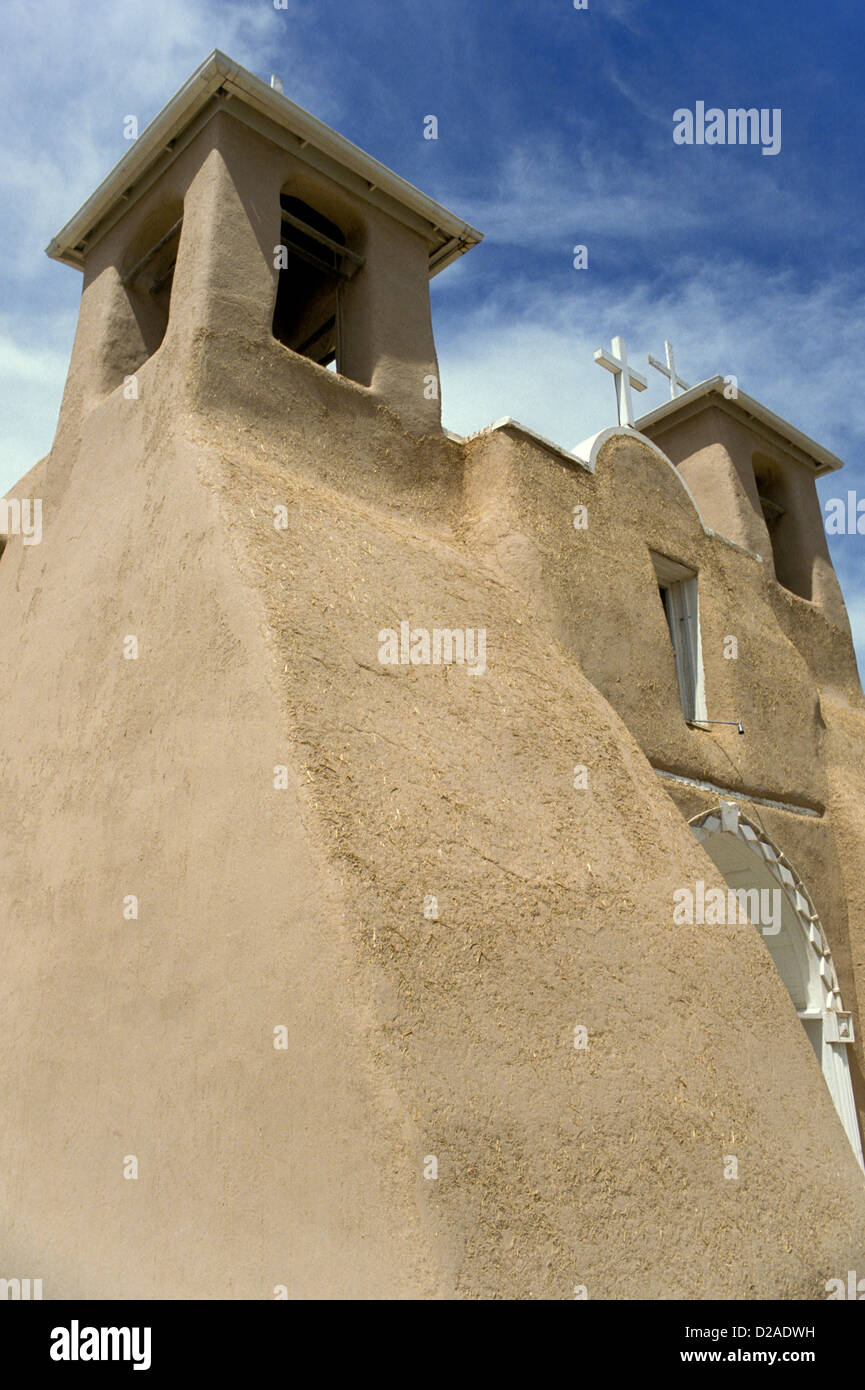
738 796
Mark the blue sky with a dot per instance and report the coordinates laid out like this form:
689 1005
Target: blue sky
555 128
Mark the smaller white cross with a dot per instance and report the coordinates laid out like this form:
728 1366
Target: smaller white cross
669 371
617 363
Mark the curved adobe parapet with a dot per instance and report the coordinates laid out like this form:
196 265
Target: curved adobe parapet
588 453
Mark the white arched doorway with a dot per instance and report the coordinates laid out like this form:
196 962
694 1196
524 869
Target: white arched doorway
748 859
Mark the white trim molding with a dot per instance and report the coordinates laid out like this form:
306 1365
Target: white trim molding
736 796
828 1025
220 80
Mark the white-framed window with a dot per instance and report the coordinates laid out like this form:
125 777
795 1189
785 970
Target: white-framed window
677 586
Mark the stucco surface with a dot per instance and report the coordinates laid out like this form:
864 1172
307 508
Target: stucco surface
301 906
407 1036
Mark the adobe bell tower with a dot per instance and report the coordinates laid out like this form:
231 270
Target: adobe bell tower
239 230
753 475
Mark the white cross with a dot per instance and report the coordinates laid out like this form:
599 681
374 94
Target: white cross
669 371
617 363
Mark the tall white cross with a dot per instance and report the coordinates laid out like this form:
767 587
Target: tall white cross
669 371
617 363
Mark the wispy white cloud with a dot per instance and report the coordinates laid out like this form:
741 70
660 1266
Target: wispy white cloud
98 64
854 598
529 353
33 378
30 366
631 14
545 193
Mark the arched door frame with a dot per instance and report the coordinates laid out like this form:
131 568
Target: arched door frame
823 1004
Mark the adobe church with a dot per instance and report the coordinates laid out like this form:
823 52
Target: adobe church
334 976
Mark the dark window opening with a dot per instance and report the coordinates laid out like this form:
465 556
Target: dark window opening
148 284
140 300
316 264
791 559
772 511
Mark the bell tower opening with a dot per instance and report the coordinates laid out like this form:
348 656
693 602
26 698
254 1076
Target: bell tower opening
138 297
792 566
314 264
149 276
